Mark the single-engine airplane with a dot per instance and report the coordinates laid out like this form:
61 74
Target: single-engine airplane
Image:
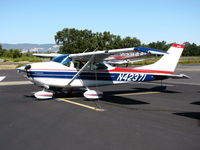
84 70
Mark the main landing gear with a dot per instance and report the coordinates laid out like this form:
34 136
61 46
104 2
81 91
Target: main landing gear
43 95
89 94
92 94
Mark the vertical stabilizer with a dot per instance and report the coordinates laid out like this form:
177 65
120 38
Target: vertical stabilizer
169 61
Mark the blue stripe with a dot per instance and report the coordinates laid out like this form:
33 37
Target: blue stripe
105 76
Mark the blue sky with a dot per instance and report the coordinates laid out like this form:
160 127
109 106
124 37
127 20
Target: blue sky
37 21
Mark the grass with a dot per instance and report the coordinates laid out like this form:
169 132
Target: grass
12 63
23 58
189 61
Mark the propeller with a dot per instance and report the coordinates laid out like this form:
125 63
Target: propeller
27 67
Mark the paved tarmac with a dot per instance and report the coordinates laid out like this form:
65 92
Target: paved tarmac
135 116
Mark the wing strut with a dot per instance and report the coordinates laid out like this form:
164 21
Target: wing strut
81 70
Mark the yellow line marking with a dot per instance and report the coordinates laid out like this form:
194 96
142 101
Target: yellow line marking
141 93
72 98
15 83
79 104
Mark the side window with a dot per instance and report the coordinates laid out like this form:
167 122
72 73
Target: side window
101 66
93 66
78 64
98 66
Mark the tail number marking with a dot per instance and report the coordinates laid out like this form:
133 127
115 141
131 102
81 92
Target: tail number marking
131 77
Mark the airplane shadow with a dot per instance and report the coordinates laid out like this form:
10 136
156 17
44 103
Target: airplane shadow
78 94
162 89
34 98
122 100
193 115
109 96
196 103
29 96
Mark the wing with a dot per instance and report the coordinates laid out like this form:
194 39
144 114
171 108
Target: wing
114 54
107 55
173 76
52 55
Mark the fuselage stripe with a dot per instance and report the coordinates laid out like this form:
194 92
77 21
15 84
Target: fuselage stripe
104 76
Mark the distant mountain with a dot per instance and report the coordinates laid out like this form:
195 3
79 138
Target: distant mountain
26 47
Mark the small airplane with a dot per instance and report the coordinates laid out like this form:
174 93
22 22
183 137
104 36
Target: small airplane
1 78
84 70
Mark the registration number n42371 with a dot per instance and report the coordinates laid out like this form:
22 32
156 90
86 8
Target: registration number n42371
131 77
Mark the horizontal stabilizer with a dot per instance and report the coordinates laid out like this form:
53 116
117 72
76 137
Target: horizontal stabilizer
173 76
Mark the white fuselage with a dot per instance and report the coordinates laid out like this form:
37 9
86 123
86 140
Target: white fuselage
53 74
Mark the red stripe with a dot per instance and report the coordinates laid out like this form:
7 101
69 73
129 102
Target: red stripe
44 95
139 71
116 70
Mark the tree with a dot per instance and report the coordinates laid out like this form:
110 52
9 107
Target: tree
76 41
159 45
2 51
13 53
191 49
131 42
